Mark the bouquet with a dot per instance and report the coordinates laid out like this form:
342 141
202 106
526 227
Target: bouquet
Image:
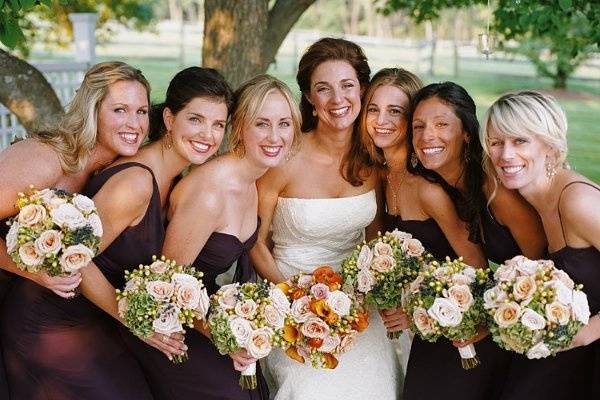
248 316
323 320
380 270
535 308
55 231
446 300
162 297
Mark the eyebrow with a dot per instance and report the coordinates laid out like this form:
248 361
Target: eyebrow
328 84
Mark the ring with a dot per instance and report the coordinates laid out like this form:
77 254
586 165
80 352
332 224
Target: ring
164 339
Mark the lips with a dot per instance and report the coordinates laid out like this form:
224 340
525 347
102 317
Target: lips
129 137
512 169
340 112
384 131
200 147
429 151
271 151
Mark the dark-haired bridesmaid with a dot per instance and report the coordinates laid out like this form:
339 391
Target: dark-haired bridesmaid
526 141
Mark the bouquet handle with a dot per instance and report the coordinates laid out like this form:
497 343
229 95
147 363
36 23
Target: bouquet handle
468 356
248 378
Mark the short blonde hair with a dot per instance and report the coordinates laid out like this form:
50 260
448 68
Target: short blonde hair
527 112
249 99
75 136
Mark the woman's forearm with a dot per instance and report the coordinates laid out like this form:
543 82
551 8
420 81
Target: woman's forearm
264 263
97 289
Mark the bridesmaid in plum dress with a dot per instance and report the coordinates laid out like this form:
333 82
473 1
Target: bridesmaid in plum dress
213 223
526 141
50 351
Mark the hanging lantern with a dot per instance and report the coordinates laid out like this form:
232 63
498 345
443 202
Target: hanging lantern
486 44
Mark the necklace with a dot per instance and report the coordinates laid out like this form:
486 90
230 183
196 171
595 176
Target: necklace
395 179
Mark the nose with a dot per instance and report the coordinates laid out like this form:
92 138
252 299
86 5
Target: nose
427 133
508 151
273 134
134 120
381 118
337 96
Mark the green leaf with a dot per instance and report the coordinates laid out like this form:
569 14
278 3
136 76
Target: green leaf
27 4
10 32
565 4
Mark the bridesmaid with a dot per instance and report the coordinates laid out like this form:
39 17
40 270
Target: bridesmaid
107 118
525 139
212 224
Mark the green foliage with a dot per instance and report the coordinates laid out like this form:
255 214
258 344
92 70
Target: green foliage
140 307
221 334
11 11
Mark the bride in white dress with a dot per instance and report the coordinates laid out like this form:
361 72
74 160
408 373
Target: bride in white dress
313 215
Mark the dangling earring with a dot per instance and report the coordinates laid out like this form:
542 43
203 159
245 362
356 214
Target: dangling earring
550 169
414 160
168 140
314 112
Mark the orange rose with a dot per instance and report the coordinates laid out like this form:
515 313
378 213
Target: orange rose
362 323
332 318
292 353
315 342
290 333
328 276
330 361
298 293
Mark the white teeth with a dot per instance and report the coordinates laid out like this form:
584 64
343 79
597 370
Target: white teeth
200 147
433 150
340 111
513 169
130 138
383 131
271 151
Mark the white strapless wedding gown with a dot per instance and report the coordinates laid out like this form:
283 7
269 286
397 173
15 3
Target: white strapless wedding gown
308 233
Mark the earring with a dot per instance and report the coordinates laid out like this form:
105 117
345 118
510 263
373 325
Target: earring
168 141
466 155
550 169
314 112
414 160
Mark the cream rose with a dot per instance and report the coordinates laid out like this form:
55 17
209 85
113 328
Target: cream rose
364 257
461 296
228 298
273 317
320 291
203 304
49 242
382 249
305 281
184 279
540 350
507 314
533 320
580 307
167 320
75 257
122 305
67 215
364 280
383 263
561 292
315 328
339 302
562 276
29 256
442 273
505 272
524 287
525 266
188 295
445 312
493 297
347 342
12 236
413 247
159 267
31 214
259 343
241 330
558 313
461 279
134 283
422 321
279 300
160 290
94 221
330 343
399 235
83 203
300 309
246 309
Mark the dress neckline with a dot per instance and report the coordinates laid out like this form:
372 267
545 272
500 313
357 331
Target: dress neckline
568 248
237 238
327 198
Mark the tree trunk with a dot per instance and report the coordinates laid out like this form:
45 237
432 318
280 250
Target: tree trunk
27 94
560 79
241 38
432 39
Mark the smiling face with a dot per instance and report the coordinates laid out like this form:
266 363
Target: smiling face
335 94
519 161
269 137
198 128
386 116
123 118
438 136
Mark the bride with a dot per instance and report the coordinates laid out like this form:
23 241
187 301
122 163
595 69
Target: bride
317 207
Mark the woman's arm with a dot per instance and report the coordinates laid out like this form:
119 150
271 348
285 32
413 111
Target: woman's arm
377 224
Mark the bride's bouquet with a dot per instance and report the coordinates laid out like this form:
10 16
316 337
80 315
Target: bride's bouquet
381 269
248 316
55 231
535 308
446 301
323 319
162 297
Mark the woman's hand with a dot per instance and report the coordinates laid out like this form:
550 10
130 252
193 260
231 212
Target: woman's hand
482 332
169 345
395 320
63 286
242 360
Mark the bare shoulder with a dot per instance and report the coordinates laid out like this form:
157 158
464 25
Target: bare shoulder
430 193
134 185
32 162
579 200
202 188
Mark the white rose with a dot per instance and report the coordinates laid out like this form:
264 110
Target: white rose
75 257
461 279
159 290
134 283
273 317
347 342
365 280
561 292
469 272
29 256
399 235
320 291
167 320
493 297
383 263
279 300
505 272
330 343
259 343
84 203
445 312
184 279
228 298
442 273
382 249
339 302
305 281
315 328
461 296
580 307
246 309
524 287
540 350
558 313
300 309
241 330
67 215
49 242
203 304
159 267
364 257
45 195
122 306
507 314
31 214
188 295
422 321
533 320
94 221
525 266
413 247
562 276
11 237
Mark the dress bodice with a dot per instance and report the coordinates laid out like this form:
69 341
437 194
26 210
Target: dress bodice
312 232
498 243
430 234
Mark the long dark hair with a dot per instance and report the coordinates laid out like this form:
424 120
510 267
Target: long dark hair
185 86
470 204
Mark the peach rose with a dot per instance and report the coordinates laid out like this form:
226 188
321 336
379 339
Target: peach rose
29 256
507 314
75 257
315 328
31 214
422 321
461 296
364 257
524 287
413 247
49 242
160 291
558 313
382 249
383 263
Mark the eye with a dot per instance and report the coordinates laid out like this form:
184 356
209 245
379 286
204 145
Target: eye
494 143
262 124
142 112
348 85
322 89
284 124
120 110
418 127
521 140
194 120
396 112
372 109
441 124
220 125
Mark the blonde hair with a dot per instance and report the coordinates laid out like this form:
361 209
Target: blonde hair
527 112
249 99
75 136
